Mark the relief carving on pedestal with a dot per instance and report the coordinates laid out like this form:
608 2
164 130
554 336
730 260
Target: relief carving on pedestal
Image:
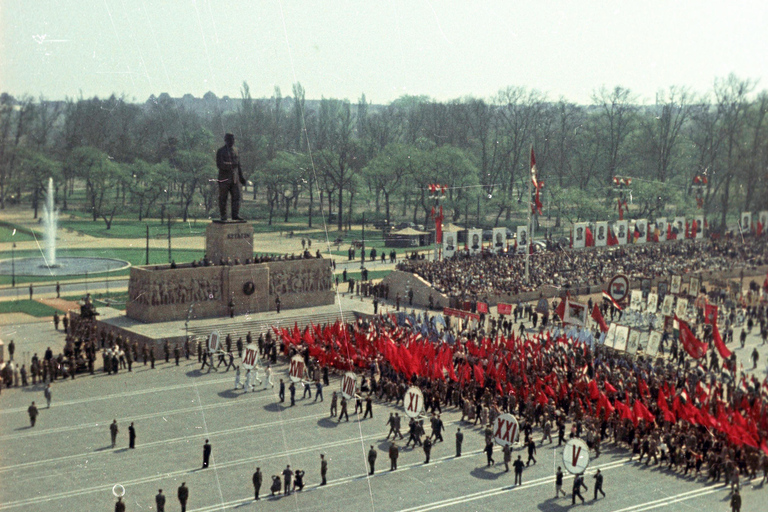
285 282
163 293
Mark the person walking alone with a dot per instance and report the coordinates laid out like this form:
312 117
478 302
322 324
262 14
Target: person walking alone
183 495
599 483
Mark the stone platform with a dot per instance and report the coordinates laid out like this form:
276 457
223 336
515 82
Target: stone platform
161 293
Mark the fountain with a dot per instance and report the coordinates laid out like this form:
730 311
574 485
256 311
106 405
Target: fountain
51 265
50 221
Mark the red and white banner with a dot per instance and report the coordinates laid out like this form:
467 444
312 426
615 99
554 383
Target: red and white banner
465 315
250 356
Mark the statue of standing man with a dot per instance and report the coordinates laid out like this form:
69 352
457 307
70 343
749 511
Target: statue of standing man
228 163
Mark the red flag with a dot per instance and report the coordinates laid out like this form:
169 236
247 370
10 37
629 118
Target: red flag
590 239
612 238
479 377
598 317
719 345
621 212
710 313
695 348
759 228
439 227
608 387
642 412
560 311
594 393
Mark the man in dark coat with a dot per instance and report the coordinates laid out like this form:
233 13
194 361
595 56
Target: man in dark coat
32 414
183 494
518 465
206 454
131 436
160 501
372 459
459 440
287 476
257 478
578 483
113 430
394 453
323 469
119 505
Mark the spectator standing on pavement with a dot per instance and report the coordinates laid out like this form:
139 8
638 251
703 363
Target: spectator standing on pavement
736 502
518 465
160 501
131 436
257 479
372 459
287 476
459 440
32 414
206 454
47 394
113 432
323 469
183 494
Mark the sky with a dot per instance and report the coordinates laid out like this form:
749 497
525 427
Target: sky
383 49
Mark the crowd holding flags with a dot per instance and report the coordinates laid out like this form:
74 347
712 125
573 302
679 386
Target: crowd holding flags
550 367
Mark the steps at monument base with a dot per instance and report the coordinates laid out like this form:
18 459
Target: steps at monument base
256 327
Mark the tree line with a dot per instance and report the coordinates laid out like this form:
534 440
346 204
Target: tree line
109 157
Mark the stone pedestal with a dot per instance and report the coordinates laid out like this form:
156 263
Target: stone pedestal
229 240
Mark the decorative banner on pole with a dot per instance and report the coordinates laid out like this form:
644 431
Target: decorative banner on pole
349 385
449 243
699 226
620 228
633 342
213 341
679 227
622 334
499 239
610 336
677 282
522 239
475 241
654 340
601 234
668 305
297 368
618 288
762 218
251 356
413 403
746 222
653 303
661 228
641 231
694 286
576 456
681 310
575 313
580 235
504 309
506 430
635 300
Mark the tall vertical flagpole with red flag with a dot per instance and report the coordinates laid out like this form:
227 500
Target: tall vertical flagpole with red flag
530 234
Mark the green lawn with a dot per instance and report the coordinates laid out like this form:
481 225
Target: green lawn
134 228
11 233
27 306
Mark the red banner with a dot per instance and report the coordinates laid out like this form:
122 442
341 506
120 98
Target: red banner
482 307
460 314
504 309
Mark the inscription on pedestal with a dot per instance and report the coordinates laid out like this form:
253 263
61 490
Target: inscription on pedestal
229 240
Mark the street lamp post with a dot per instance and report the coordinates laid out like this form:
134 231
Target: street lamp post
13 265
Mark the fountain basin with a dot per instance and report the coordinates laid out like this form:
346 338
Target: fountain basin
64 266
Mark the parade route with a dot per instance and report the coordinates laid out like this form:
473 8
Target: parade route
66 461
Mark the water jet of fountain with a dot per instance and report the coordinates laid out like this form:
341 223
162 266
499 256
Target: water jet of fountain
50 222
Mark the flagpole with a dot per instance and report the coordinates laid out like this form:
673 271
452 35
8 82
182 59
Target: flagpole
530 234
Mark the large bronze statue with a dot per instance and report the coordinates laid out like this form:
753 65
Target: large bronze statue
228 163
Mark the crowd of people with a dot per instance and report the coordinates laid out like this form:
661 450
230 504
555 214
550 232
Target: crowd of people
693 419
489 273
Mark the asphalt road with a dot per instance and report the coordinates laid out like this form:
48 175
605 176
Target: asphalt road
66 462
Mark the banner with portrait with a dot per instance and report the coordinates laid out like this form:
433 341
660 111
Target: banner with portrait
677 282
654 340
746 222
450 239
633 341
475 241
575 313
694 286
601 234
661 228
699 226
622 334
610 336
681 308
620 229
653 303
522 239
668 305
679 227
762 218
580 235
499 240
635 300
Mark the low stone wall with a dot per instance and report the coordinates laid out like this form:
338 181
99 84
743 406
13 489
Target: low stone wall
161 293
400 282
